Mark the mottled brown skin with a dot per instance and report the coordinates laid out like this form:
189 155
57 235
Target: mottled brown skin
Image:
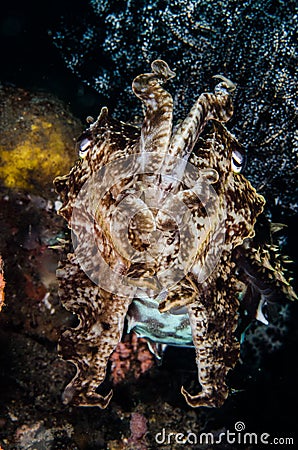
211 301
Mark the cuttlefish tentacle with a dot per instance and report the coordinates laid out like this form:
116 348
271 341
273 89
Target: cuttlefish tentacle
157 125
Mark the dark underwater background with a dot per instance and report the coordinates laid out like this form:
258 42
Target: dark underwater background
86 54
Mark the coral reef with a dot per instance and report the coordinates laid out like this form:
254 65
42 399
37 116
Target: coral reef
36 142
130 357
29 227
137 440
138 429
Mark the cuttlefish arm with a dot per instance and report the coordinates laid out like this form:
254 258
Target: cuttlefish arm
213 322
88 346
209 106
157 125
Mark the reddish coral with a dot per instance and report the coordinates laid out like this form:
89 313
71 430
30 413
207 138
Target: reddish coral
138 426
34 289
138 429
131 356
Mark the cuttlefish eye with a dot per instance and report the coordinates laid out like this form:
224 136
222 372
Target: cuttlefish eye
84 146
238 161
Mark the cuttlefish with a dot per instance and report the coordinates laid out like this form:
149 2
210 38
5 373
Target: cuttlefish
156 213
